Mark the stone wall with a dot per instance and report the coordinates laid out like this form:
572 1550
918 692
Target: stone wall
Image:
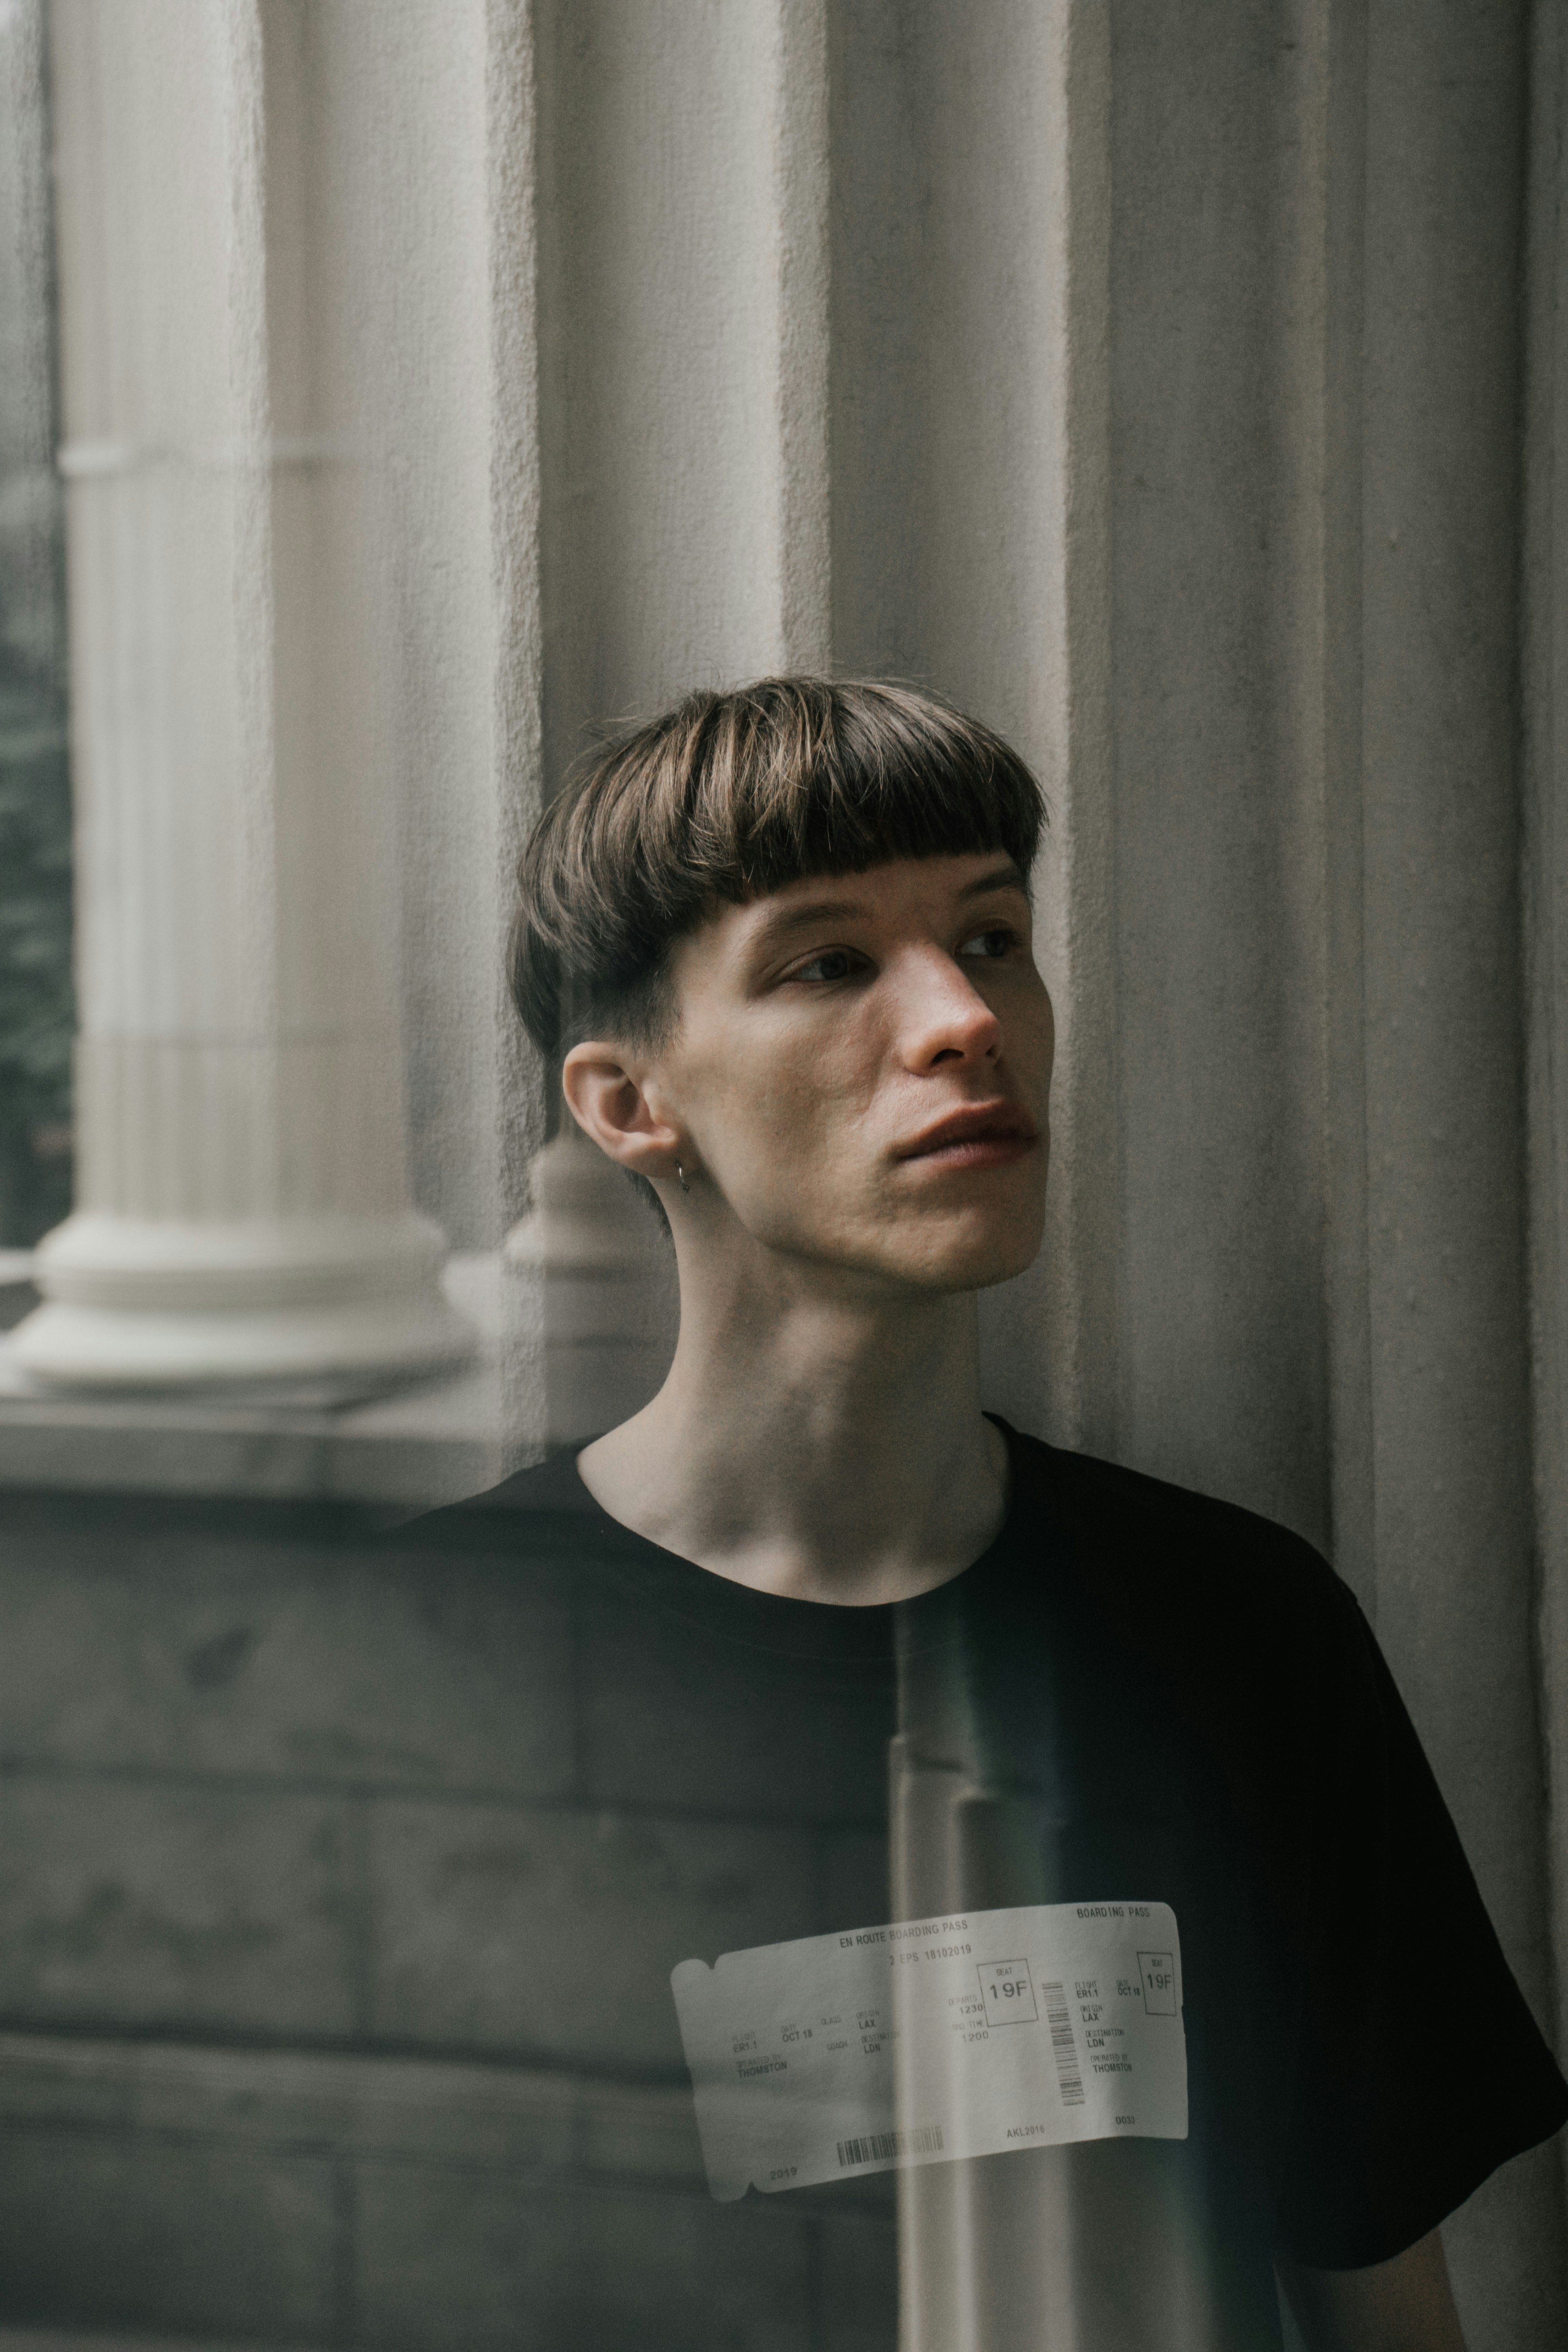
322 1888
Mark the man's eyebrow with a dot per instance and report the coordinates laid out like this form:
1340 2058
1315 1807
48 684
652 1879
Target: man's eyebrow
1010 876
1007 876
823 910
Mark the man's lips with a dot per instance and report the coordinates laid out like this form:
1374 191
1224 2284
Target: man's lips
982 1135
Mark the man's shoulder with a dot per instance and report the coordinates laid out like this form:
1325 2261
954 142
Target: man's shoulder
1175 1551
1215 1616
1095 1492
544 1505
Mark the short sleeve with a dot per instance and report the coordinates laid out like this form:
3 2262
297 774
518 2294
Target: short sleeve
1418 2068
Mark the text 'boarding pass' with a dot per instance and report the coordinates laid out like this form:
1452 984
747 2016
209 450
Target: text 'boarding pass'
935 2039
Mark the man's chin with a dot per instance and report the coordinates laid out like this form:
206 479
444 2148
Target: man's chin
965 1260
983 1272
938 1253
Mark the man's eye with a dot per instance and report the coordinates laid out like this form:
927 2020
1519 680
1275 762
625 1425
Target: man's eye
994 942
834 963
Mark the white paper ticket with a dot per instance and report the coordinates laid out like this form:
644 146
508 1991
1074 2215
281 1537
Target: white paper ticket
935 2039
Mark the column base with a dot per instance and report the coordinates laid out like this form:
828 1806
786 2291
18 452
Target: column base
349 1303
590 1257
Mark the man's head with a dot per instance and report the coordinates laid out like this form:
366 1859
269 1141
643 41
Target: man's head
782 936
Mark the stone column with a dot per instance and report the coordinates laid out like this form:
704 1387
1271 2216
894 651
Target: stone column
243 1213
685 502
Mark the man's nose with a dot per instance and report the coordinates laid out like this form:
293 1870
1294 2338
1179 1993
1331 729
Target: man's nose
943 1013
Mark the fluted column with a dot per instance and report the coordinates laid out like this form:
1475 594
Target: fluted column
686 494
242 1208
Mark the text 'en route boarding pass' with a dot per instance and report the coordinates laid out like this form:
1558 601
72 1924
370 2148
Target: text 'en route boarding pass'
935 2039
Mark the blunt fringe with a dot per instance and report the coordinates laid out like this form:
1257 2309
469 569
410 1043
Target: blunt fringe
724 799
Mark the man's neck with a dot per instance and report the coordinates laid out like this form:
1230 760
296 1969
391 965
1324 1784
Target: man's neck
822 1446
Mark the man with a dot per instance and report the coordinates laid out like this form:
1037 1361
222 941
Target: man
780 939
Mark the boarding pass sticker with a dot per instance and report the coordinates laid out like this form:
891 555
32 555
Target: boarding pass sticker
935 2039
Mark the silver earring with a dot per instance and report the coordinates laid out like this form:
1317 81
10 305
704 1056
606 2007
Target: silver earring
681 1173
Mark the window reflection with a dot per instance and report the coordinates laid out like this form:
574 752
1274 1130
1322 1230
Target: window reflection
410 394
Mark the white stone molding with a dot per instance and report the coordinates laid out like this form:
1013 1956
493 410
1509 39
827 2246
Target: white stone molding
419 1444
243 1212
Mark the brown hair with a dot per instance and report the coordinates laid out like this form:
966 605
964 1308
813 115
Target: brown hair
723 799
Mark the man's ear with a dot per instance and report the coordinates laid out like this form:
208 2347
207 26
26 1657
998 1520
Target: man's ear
609 1101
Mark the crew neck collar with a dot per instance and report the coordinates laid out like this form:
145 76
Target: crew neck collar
649 1573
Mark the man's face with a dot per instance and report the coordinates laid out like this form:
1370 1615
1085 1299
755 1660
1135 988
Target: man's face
862 1062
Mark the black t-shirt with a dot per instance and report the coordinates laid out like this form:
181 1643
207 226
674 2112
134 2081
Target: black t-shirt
1192 1708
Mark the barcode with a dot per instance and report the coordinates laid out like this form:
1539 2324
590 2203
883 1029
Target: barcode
1058 2017
877 2147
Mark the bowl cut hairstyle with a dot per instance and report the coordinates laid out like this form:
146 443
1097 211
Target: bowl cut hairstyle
725 799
